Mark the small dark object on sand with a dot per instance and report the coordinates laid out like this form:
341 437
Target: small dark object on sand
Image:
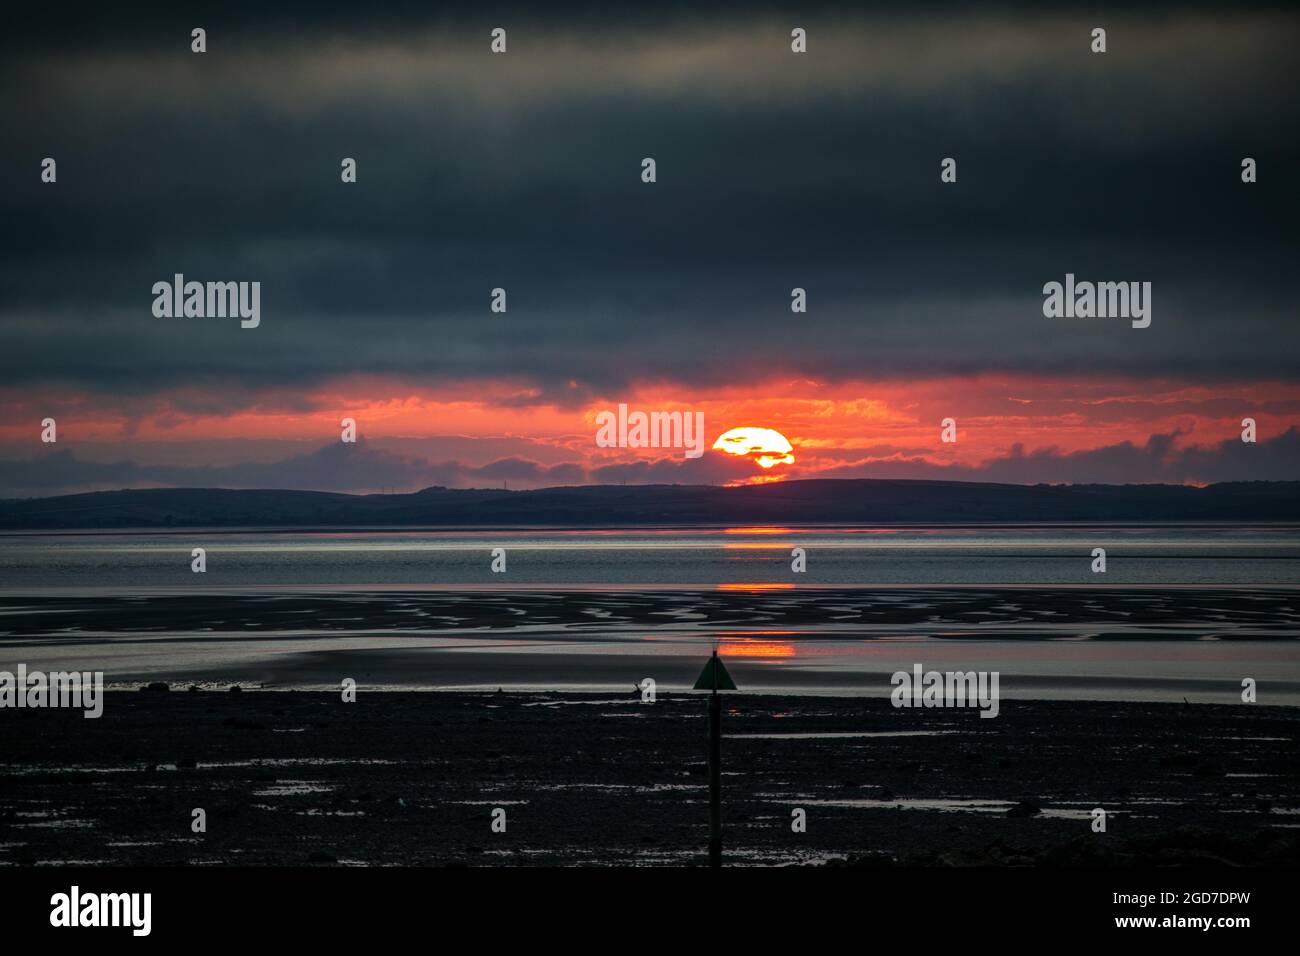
1025 808
156 685
236 689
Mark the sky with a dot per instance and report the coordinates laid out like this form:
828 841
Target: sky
523 171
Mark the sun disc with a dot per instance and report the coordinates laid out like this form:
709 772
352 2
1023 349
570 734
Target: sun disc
765 446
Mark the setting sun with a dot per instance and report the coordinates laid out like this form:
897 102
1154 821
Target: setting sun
766 446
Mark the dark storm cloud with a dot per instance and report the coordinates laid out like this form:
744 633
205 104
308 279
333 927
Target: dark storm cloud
1157 460
522 171
334 467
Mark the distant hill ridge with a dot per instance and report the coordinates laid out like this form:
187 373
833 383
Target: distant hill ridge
846 501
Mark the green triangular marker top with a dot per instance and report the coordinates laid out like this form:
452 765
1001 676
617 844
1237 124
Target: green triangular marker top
715 676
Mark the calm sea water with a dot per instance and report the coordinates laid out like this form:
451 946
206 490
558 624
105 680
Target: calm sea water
1180 612
838 556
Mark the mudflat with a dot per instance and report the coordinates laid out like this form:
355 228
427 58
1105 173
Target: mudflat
398 777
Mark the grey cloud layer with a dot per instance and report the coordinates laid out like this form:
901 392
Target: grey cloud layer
775 171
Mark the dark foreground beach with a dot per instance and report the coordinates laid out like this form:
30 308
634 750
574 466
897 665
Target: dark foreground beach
295 777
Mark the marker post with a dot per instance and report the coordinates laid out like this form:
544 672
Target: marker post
713 678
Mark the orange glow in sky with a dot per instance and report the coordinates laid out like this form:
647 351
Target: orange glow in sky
1032 427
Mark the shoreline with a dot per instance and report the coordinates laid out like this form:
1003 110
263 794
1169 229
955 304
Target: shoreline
1100 644
1109 644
